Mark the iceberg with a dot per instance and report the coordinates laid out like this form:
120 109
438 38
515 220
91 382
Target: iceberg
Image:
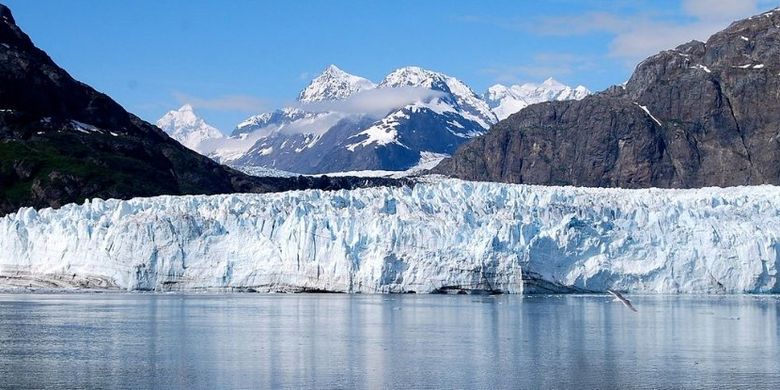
440 234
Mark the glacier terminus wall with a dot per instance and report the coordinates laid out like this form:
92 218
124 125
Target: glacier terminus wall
437 236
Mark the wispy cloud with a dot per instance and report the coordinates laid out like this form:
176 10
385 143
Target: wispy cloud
237 103
636 36
376 102
541 66
635 31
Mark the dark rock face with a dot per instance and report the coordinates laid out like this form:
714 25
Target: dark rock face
698 115
61 141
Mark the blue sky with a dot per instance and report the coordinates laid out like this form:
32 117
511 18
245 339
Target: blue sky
232 59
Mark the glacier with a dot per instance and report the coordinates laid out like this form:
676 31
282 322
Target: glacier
438 234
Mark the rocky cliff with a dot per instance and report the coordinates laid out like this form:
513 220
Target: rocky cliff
703 114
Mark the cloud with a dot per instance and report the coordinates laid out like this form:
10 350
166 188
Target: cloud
374 102
641 34
722 9
239 103
541 66
636 31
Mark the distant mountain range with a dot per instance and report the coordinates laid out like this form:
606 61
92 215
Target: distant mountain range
342 122
702 114
505 101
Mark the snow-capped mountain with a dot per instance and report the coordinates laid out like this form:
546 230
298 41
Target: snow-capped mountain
342 122
346 123
505 101
333 84
521 239
189 129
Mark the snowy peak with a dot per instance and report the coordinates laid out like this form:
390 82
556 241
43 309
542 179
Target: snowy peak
413 76
552 83
505 101
186 127
463 98
333 84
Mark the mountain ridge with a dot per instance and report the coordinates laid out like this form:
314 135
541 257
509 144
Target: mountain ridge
431 113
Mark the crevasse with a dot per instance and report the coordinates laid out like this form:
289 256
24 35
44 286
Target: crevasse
444 233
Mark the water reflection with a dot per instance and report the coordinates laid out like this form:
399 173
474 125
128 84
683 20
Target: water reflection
359 341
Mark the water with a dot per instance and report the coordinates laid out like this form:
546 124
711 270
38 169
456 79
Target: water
360 341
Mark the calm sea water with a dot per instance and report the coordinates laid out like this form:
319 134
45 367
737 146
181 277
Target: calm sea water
362 341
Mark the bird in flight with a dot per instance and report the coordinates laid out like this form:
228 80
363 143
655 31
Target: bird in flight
618 296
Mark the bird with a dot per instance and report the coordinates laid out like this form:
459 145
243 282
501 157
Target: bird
623 299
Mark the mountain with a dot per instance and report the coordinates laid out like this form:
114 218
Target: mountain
702 114
333 84
187 128
440 234
344 122
505 101
61 141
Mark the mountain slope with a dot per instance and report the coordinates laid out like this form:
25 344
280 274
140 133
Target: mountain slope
186 127
61 141
698 115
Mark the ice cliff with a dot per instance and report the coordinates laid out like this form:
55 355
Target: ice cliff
513 238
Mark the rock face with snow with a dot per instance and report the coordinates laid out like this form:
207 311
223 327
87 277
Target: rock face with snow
512 238
505 101
698 115
186 127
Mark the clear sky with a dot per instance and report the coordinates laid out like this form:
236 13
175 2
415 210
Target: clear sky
231 59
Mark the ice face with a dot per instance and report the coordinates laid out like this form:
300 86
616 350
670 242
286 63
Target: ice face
513 238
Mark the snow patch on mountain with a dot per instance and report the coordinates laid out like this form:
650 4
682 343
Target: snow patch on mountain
514 238
381 133
505 101
189 129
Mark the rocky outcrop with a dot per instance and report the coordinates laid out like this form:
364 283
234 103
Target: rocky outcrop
703 114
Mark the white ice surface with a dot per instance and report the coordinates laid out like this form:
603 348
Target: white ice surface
441 233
